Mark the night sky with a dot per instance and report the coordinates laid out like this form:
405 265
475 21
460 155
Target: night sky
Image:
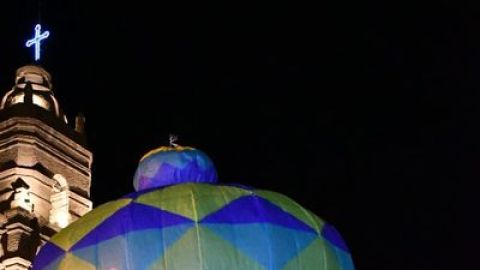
366 114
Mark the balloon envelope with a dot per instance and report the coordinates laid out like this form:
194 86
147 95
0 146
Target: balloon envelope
197 226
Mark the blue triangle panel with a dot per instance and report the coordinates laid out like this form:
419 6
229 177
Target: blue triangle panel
333 236
48 253
253 209
135 250
131 218
270 245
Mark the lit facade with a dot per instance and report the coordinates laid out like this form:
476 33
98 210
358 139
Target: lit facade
45 168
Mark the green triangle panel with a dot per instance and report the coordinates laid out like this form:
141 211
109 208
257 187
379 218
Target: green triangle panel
193 201
318 255
135 250
270 245
292 207
201 249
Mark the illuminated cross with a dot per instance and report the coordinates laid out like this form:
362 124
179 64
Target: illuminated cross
37 39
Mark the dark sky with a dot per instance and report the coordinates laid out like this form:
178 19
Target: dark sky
366 114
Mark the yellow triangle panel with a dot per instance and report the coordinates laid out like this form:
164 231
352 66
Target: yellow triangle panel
193 201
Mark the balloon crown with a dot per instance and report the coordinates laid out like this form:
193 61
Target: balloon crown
174 164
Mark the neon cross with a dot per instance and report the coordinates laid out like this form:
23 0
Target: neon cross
37 39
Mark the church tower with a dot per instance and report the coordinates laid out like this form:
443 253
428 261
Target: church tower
45 168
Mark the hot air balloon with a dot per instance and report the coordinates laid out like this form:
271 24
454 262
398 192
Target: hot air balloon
181 218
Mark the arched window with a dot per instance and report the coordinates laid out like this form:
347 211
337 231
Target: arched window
60 211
